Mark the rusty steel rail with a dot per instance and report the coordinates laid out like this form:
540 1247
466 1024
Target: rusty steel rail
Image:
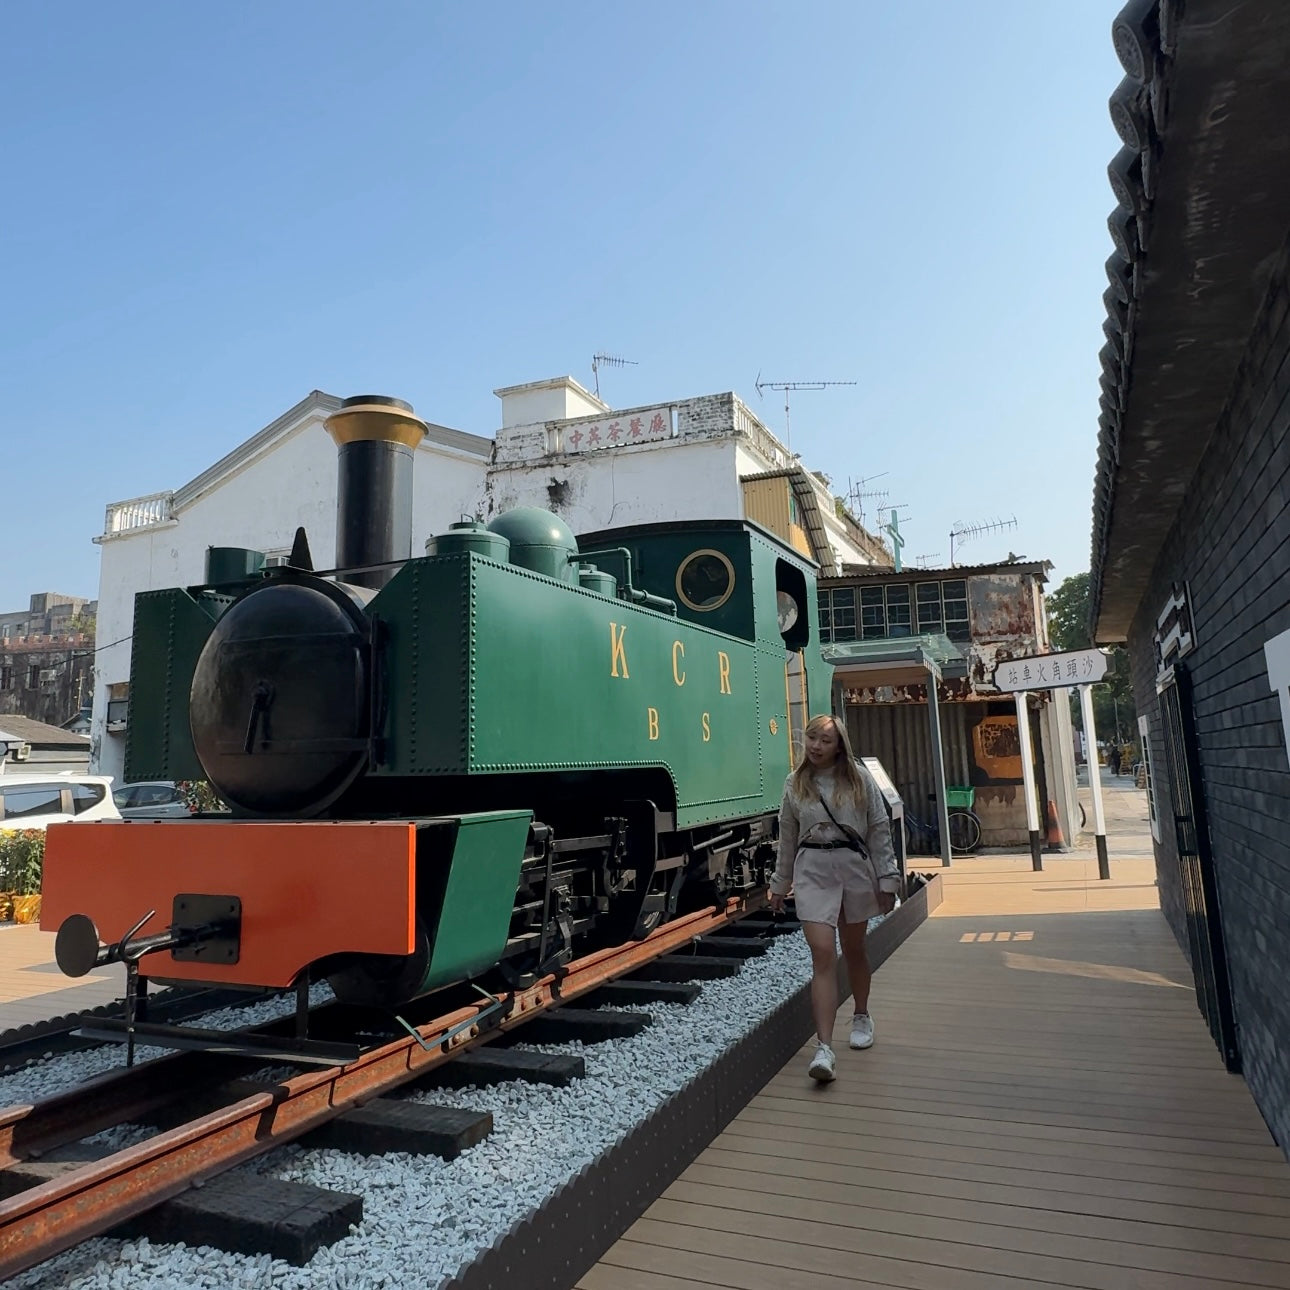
90 1200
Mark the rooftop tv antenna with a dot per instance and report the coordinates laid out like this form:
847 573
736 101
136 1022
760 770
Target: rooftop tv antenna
965 532
858 494
788 386
608 360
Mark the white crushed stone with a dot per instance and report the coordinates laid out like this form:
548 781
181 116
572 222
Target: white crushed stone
48 1074
427 1218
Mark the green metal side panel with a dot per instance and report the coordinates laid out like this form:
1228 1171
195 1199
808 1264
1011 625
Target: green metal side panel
170 629
498 670
425 610
565 679
471 919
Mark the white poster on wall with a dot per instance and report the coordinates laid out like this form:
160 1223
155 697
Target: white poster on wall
1277 653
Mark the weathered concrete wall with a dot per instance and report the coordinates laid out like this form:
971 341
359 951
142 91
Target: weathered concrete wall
47 681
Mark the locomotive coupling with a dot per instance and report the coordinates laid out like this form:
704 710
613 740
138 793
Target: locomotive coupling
203 929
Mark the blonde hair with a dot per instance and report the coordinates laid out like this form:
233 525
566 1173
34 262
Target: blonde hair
848 773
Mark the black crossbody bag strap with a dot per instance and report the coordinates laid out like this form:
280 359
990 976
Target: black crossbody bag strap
850 833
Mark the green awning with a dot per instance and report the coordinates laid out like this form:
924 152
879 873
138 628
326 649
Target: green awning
897 660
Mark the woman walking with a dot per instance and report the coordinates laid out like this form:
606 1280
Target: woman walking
835 852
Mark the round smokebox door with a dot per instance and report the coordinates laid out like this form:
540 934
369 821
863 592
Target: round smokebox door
280 699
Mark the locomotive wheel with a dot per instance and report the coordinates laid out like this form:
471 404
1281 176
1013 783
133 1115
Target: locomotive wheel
383 980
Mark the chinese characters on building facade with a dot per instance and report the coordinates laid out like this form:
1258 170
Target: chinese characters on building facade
641 426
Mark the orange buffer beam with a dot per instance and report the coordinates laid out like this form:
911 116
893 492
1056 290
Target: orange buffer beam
296 882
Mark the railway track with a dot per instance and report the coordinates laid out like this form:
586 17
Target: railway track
238 1121
61 1035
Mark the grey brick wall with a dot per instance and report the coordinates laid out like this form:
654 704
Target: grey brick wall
1231 545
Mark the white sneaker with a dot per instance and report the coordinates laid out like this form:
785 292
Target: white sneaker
821 1067
862 1030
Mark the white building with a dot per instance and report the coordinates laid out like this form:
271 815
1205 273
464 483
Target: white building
559 447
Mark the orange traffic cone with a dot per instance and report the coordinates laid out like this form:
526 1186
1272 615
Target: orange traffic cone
1056 839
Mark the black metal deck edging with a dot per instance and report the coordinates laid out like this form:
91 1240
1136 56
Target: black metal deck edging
551 1248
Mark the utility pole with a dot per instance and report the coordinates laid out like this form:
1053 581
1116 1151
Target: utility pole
788 386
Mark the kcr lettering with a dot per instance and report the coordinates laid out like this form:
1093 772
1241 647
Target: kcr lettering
617 651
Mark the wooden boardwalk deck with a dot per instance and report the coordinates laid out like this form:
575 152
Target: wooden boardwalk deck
1043 1107
32 989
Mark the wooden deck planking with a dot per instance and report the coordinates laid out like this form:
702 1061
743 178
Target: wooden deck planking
32 989
1046 1111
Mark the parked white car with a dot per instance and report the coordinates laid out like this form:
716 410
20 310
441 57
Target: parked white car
31 801
154 799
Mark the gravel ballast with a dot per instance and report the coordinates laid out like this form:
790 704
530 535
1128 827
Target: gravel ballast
425 1218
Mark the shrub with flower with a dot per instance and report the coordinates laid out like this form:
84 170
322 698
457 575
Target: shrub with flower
22 854
199 796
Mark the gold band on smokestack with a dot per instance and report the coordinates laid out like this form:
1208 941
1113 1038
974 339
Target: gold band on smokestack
376 439
375 417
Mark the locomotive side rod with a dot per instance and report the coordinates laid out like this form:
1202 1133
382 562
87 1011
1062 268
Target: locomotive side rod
88 1201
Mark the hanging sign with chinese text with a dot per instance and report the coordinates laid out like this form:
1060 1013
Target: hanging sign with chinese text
1048 671
642 425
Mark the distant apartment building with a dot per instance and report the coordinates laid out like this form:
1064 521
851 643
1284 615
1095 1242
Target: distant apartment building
49 614
47 658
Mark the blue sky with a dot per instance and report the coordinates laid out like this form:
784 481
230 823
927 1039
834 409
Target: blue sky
214 209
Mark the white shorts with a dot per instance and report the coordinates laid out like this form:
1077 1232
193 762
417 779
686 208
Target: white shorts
827 883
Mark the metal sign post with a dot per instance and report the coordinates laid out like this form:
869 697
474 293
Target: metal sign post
1094 780
1078 668
1028 779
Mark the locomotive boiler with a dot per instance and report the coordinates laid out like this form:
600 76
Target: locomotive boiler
469 764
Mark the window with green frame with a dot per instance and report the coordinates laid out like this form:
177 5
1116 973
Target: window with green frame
894 610
838 614
873 613
930 619
885 612
955 600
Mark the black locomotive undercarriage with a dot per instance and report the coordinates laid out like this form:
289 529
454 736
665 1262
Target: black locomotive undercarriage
606 888
587 883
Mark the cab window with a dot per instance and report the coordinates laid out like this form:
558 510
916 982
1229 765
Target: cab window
705 580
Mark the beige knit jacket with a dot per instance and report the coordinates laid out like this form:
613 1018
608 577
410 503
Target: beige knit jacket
804 821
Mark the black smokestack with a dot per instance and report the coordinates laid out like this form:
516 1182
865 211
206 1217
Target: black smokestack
377 437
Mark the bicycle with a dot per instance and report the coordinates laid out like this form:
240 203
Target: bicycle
965 825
